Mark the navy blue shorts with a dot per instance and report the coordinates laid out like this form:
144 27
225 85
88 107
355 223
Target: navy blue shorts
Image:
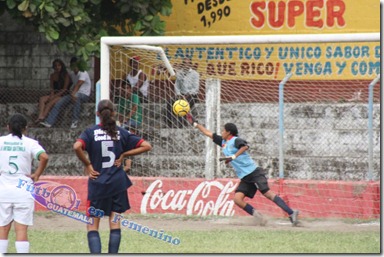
118 203
253 182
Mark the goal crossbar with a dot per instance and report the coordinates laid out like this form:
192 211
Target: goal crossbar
105 42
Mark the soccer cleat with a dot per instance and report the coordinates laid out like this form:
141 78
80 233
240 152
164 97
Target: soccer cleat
45 124
293 218
74 125
260 220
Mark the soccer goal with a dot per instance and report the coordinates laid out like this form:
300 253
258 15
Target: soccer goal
308 105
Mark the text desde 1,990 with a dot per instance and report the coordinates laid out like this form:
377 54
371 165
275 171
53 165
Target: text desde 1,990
211 11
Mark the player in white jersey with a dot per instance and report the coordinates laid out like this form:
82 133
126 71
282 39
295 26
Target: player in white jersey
16 201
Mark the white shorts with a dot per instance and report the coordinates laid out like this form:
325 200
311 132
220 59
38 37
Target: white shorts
20 212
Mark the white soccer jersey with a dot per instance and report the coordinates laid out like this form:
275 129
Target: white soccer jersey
16 156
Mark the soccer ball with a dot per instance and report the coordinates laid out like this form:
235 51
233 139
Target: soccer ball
180 108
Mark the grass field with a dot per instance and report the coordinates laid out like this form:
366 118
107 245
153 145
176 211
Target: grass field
57 234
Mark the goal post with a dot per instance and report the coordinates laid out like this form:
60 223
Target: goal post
106 42
306 104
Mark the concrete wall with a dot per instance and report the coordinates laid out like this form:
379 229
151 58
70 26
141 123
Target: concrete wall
26 57
318 143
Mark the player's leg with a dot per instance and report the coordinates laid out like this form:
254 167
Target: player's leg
6 218
114 233
248 189
244 189
261 182
4 232
120 204
23 217
93 236
21 244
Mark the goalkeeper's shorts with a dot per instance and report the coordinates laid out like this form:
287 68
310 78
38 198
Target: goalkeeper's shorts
253 182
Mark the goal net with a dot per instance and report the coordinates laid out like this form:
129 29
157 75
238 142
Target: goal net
308 106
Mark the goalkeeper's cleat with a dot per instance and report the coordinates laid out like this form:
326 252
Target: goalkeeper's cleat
293 218
260 220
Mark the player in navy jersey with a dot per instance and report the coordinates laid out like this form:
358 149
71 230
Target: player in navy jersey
107 145
252 177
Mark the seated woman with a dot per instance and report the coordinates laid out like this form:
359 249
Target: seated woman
59 83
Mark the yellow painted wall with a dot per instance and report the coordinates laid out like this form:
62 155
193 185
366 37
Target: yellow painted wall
252 17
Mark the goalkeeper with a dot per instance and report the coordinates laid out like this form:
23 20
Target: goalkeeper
252 177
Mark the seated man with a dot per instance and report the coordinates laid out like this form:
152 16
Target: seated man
80 94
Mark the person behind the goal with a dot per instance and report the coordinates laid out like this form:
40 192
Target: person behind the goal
252 177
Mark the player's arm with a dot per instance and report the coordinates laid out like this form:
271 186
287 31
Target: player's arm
78 148
43 161
203 130
241 145
240 151
143 147
200 127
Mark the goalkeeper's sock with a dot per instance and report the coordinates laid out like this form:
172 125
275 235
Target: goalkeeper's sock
94 242
280 202
4 246
249 209
114 241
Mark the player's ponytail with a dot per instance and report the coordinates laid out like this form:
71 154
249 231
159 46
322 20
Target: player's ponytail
106 110
17 124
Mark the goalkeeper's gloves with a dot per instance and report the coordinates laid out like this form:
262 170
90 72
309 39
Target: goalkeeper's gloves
231 159
191 120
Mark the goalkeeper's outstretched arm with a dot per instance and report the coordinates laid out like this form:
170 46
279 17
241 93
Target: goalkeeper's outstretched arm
200 127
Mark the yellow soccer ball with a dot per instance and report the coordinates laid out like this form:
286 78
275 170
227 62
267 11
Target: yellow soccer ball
180 108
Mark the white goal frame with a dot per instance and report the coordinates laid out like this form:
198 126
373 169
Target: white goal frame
143 42
150 44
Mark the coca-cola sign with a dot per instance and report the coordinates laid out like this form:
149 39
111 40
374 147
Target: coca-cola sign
207 198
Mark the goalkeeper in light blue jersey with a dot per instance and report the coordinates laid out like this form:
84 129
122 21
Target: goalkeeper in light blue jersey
252 177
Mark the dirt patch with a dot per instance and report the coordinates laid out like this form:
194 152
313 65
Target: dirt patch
51 222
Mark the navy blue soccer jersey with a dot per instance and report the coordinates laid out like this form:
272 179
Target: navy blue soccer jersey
102 152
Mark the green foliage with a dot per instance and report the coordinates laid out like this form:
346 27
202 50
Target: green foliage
76 26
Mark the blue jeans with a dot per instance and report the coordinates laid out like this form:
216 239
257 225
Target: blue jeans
64 102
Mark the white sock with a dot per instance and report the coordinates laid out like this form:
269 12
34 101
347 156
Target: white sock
22 246
3 246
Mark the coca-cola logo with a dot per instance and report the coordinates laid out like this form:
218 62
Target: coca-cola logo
208 198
